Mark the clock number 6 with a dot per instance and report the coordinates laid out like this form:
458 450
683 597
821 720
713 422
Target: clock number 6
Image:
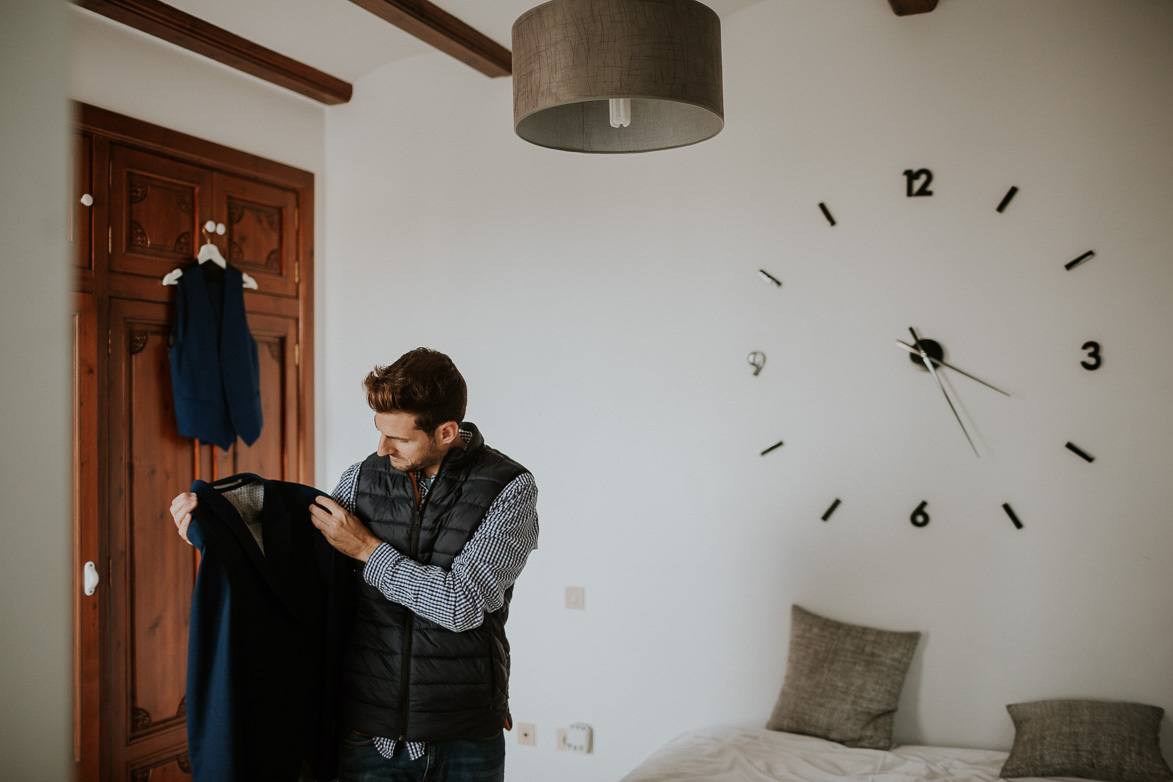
912 176
1093 353
919 518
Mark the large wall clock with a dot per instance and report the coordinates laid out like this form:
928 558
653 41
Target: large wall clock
944 285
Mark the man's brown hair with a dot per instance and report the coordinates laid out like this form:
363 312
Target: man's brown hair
422 382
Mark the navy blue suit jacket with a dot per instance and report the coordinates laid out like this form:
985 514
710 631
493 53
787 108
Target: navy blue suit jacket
266 638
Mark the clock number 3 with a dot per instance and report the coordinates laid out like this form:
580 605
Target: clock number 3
919 518
1094 360
911 177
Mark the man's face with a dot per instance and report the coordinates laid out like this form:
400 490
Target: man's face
410 448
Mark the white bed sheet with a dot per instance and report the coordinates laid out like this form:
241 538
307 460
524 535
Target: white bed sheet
729 754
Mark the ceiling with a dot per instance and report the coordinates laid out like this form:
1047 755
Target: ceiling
343 40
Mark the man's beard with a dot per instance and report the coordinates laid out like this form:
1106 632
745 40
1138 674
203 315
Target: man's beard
430 459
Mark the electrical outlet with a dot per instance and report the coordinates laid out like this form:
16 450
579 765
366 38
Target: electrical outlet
526 734
580 738
561 740
574 598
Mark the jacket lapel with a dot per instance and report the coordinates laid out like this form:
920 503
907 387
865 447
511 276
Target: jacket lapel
273 565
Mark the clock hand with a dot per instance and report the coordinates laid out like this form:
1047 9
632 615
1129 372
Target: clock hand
929 363
912 349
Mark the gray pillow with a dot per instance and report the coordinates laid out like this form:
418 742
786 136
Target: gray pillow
1105 740
842 681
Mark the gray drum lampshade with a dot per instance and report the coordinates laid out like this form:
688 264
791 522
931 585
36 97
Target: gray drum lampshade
575 60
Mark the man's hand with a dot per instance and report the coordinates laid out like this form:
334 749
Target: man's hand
181 508
343 530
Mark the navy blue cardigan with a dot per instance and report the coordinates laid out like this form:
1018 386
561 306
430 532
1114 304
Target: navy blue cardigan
266 638
215 375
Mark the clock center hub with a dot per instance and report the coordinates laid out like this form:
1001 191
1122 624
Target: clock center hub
935 351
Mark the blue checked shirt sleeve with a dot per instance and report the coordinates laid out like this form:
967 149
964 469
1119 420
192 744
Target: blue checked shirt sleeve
491 561
347 488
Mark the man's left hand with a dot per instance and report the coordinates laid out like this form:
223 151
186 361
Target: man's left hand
343 530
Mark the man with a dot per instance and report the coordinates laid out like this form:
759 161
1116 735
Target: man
443 525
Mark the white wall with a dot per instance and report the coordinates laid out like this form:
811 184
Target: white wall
601 309
35 678
123 70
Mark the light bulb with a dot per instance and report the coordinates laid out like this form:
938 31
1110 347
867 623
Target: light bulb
620 112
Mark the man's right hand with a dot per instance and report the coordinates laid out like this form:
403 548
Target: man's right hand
181 508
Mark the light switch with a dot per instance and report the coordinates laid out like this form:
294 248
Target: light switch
574 598
526 734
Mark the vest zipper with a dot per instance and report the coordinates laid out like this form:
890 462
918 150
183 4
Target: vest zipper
409 635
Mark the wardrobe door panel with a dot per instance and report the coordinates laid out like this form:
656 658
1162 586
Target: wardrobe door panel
87 554
274 454
81 211
158 206
152 570
262 231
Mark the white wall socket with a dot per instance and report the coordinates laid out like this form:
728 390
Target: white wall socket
526 734
574 598
579 738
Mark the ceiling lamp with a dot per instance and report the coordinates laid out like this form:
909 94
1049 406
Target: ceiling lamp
617 75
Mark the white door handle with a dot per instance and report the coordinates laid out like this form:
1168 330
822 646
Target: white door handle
91 578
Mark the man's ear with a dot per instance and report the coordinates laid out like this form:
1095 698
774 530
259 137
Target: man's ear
447 432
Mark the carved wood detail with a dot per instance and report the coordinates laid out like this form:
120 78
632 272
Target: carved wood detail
138 341
275 350
137 236
140 720
143 773
137 190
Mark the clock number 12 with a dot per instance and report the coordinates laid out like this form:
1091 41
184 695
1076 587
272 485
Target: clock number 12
911 177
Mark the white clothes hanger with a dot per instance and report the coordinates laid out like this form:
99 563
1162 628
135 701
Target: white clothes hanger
210 252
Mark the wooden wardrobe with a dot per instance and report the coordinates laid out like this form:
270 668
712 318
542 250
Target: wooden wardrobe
142 194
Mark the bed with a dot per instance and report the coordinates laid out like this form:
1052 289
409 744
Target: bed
730 754
832 722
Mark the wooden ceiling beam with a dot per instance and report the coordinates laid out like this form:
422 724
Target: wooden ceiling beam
440 29
907 7
194 34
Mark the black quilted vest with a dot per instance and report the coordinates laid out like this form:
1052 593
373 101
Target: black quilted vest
407 677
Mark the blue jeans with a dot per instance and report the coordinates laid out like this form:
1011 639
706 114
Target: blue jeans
444 761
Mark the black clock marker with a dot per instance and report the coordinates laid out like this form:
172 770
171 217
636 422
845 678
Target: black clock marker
831 509
826 213
1072 264
1082 454
1010 512
919 517
772 447
911 178
1006 198
769 277
1094 360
